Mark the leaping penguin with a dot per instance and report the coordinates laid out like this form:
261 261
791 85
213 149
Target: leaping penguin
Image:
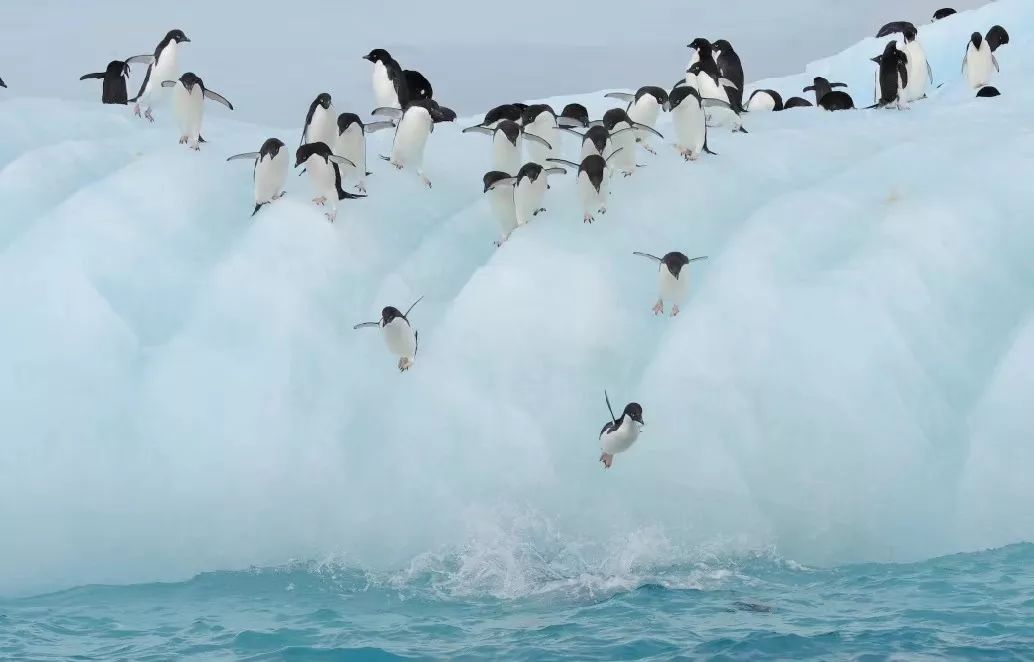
324 168
164 66
188 99
415 125
400 337
499 187
270 173
529 189
673 279
618 434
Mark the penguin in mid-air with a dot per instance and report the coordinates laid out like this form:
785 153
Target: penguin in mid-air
644 107
673 279
324 168
499 187
941 14
270 174
828 98
351 144
731 68
893 77
320 122
619 433
113 90
764 101
529 189
400 337
980 63
188 101
797 102
164 66
593 178
690 121
415 125
506 143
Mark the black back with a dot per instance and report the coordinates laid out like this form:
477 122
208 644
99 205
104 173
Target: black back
894 28
988 91
113 89
594 166
674 261
532 112
943 13
797 102
822 87
492 177
345 120
270 148
417 85
776 97
308 150
511 130
996 36
730 67
893 73
656 92
599 135
507 111
576 111
837 100
531 170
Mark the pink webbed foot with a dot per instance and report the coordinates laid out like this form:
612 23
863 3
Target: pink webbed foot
149 116
675 310
658 308
322 200
136 110
607 459
405 363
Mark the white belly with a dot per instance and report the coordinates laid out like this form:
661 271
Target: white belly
323 127
165 68
645 111
544 127
693 59
189 108
321 174
761 102
383 90
589 148
411 138
620 440
592 201
506 157
625 160
527 196
709 89
918 76
503 208
689 122
400 338
979 66
270 175
672 290
352 145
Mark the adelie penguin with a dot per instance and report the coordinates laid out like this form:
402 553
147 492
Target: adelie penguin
892 77
644 107
942 14
164 66
540 120
271 162
394 87
619 433
529 189
402 340
797 102
513 112
920 74
623 131
673 279
499 188
690 121
415 125
506 143
320 122
725 115
324 168
188 101
709 81
113 90
351 144
980 63
764 101
593 178
595 140
730 68
828 98
383 88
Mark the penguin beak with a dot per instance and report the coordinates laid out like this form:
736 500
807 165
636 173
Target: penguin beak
368 58
186 38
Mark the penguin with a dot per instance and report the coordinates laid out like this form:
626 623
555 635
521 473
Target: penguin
893 77
920 74
417 86
979 61
710 83
727 115
596 140
113 90
593 176
530 189
690 122
797 102
942 14
644 107
324 168
320 123
673 278
894 27
623 130
499 187
164 66
415 125
618 434
764 100
731 68
995 37
506 143
988 91
270 171
351 144
383 87
513 112
188 99
540 120
573 114
402 340
836 100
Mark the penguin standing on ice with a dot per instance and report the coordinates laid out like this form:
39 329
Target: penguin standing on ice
324 168
690 121
499 187
764 101
400 337
540 120
320 122
164 66
731 68
673 279
644 107
270 171
920 75
188 101
618 434
351 144
893 77
828 98
113 90
506 143
980 63
709 82
415 125
383 87
593 179
623 130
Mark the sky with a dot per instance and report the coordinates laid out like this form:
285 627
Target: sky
272 58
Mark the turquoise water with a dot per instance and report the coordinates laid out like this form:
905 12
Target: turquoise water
977 605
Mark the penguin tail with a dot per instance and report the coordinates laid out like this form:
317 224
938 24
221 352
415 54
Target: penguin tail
201 138
742 130
368 173
708 150
345 195
258 206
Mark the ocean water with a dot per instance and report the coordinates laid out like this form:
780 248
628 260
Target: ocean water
973 606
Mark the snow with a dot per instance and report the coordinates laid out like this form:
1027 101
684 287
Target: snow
849 379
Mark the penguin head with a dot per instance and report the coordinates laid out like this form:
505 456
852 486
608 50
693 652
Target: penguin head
976 39
345 120
680 94
378 55
577 112
323 99
492 177
616 116
270 148
701 46
532 112
309 150
117 68
599 137
390 314
634 411
658 93
176 36
190 80
674 262
723 45
695 69
910 34
529 170
511 130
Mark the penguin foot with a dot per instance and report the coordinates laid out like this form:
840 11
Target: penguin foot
331 215
322 200
136 109
536 212
675 310
360 187
183 140
626 173
603 210
650 149
398 166
148 115
658 308
607 459
196 147
405 363
588 218
279 195
425 180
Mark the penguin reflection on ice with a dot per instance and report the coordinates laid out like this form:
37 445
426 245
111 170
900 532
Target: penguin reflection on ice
618 434
400 337
673 279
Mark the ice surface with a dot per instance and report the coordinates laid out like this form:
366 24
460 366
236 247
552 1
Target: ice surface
850 378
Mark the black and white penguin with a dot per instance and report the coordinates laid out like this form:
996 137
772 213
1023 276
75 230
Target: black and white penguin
113 90
623 131
644 107
415 124
270 174
506 143
351 144
595 140
709 81
399 335
828 98
673 279
573 114
530 189
593 179
988 91
720 113
324 168
320 121
920 74
996 36
618 434
730 68
690 122
893 28
499 187
764 101
540 120
164 66
513 112
941 14
979 63
892 77
797 102
188 102
383 87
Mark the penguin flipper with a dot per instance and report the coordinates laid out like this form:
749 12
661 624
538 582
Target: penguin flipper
929 71
565 162
416 341
340 160
572 131
363 325
506 181
537 139
258 206
143 85
146 58
903 72
568 122
374 127
647 255
648 129
169 83
708 149
621 96
218 98
995 61
479 129
725 82
386 111
251 156
555 171
708 102
88 76
410 309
